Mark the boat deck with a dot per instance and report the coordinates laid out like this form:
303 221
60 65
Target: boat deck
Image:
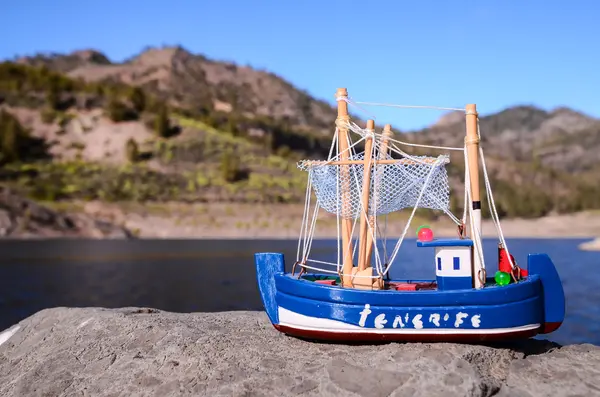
398 285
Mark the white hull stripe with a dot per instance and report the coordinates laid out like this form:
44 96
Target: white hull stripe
292 319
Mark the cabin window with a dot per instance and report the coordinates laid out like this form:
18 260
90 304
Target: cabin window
439 263
456 263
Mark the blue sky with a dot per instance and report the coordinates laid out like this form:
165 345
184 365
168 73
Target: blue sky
495 53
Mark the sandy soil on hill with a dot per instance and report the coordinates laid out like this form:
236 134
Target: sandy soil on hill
89 135
176 220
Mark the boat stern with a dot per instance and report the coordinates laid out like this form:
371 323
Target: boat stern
268 264
552 291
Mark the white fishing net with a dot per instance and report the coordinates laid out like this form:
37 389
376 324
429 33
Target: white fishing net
338 188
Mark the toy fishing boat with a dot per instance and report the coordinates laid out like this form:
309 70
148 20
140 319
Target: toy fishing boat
353 298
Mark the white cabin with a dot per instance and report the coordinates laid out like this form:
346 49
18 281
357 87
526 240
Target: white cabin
453 263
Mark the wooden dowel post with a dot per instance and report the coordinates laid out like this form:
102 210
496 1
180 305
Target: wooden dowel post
382 154
383 151
363 260
342 118
472 143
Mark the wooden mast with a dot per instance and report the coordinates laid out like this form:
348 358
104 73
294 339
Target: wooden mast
365 236
472 143
381 155
342 119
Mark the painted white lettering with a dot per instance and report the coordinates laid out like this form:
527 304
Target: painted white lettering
459 318
364 314
398 321
417 321
402 320
380 321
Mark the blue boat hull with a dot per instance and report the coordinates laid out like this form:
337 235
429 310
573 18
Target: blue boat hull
307 309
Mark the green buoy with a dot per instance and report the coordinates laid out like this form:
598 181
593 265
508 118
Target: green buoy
502 278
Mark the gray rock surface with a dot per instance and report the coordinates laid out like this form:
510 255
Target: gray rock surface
23 218
144 352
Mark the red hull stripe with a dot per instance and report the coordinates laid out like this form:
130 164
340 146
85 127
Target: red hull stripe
421 337
550 327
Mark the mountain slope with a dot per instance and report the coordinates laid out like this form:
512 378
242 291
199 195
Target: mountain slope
195 82
562 139
538 160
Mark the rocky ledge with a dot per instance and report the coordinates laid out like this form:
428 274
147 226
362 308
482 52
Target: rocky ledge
593 245
133 352
23 218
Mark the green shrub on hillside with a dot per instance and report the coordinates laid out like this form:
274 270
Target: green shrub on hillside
48 115
25 85
137 97
162 126
16 77
132 151
53 97
16 143
231 170
117 111
134 182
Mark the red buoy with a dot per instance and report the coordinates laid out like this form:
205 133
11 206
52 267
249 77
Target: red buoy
504 263
424 233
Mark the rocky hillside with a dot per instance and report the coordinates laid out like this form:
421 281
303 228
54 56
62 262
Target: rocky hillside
171 125
562 139
194 82
20 218
538 160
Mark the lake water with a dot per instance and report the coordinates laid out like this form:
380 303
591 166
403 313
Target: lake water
203 275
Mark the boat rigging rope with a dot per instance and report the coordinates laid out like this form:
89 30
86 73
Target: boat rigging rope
391 105
307 232
401 239
491 202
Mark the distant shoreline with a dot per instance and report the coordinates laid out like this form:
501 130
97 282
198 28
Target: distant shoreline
231 221
283 221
